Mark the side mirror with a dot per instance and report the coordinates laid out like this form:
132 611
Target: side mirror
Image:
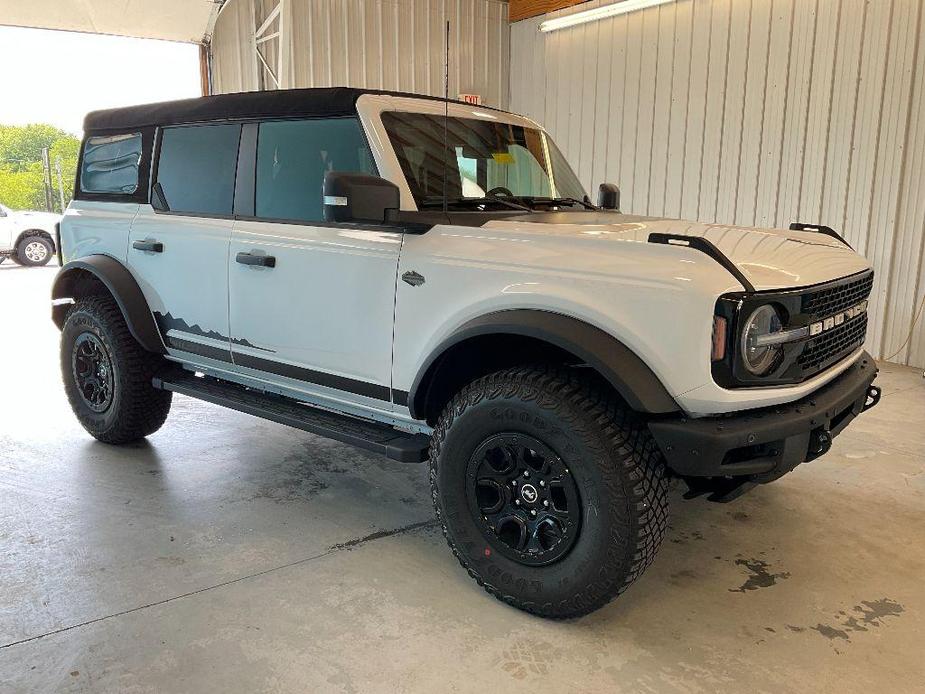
351 197
608 197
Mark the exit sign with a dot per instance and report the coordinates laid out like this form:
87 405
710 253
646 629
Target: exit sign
474 99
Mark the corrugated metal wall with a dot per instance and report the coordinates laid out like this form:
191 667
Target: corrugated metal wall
755 112
381 44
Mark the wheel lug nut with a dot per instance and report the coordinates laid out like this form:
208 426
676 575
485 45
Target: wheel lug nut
545 502
517 502
532 511
542 483
526 473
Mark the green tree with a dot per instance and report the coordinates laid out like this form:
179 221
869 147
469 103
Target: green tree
21 176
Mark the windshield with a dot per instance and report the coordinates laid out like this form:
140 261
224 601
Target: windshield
481 158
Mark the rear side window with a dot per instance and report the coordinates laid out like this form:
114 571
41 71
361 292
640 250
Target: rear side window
294 155
110 164
196 168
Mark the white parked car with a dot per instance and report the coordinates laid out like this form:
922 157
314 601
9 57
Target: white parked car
430 281
27 237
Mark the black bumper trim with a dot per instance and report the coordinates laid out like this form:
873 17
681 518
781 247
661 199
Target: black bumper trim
772 440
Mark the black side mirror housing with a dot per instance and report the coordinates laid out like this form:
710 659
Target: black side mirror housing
608 197
352 197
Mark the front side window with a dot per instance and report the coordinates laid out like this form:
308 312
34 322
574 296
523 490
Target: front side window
196 168
110 164
293 157
478 158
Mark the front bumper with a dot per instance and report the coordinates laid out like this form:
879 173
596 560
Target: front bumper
761 445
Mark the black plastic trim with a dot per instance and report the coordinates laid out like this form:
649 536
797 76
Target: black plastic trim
122 285
623 369
245 182
820 229
58 251
320 378
771 439
202 350
703 245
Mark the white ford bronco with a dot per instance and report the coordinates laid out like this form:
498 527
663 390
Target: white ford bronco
27 237
429 280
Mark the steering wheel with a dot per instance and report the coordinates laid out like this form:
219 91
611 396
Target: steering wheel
500 189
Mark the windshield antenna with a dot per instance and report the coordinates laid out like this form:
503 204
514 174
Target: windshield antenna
446 109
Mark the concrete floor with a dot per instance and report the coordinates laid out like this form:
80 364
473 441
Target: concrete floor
232 555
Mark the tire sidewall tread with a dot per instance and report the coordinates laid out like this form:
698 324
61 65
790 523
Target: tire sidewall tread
137 409
616 465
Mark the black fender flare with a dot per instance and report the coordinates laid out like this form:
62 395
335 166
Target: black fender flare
630 376
125 290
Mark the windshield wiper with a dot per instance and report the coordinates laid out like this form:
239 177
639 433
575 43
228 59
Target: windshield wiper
575 201
536 202
488 200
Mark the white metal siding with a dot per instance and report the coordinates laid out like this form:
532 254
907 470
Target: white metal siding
756 112
380 44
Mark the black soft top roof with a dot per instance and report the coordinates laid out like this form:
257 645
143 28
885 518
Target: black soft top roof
282 103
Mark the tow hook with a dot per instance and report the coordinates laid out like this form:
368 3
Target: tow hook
820 441
873 397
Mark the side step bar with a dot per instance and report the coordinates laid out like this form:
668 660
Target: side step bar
372 436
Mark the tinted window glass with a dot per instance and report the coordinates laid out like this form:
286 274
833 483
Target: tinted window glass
110 164
196 168
478 157
292 158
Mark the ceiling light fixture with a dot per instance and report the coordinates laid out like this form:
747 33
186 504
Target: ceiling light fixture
597 13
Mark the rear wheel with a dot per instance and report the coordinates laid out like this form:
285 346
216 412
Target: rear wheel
107 374
34 251
551 494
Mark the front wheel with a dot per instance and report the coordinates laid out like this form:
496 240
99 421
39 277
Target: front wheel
34 251
551 494
107 374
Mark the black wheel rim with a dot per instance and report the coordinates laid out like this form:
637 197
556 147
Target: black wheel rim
524 499
92 370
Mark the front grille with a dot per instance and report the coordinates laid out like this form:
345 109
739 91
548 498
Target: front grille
829 300
805 357
821 352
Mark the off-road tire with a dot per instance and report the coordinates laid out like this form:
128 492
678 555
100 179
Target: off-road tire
620 473
137 409
23 259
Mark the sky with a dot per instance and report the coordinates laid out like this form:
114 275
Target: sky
56 76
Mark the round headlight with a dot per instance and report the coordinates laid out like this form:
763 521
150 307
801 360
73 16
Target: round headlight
759 357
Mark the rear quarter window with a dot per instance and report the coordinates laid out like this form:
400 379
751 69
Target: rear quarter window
110 164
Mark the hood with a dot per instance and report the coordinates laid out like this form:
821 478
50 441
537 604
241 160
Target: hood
769 258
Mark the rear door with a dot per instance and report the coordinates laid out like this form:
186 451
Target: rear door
318 321
180 255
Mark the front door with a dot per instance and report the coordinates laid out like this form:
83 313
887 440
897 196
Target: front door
317 318
180 255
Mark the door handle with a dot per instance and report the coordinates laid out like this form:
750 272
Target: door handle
252 259
152 246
